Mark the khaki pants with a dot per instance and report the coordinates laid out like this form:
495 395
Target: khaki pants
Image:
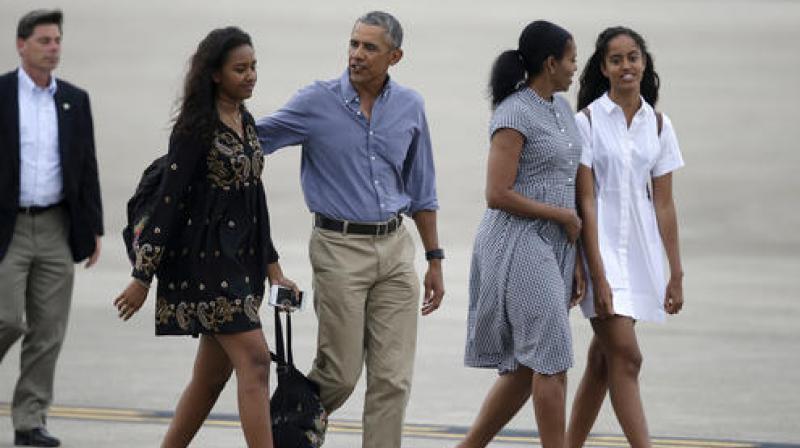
35 294
366 296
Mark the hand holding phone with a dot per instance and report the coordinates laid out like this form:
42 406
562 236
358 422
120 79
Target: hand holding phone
285 298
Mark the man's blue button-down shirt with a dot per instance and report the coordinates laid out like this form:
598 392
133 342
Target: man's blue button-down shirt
357 169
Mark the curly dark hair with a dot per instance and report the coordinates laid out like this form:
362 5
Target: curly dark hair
592 82
197 112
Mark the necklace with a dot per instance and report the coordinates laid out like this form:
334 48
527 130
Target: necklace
234 121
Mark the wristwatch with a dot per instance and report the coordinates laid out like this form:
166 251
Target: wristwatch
434 254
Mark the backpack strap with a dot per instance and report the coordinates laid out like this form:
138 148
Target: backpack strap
659 126
586 111
659 122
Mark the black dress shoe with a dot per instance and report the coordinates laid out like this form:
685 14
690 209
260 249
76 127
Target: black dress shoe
35 437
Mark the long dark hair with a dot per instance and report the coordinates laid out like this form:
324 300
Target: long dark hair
594 84
538 41
197 113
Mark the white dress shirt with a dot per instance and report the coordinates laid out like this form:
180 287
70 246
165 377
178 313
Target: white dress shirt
624 159
40 162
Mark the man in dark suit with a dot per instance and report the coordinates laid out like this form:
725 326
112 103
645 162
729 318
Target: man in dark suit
50 214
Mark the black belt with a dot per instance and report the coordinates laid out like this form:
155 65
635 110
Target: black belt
358 228
36 209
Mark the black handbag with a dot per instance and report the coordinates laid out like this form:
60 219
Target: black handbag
298 418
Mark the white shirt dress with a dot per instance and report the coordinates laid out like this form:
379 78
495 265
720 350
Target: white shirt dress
624 159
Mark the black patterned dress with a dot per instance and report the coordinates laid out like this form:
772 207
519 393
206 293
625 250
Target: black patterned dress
208 238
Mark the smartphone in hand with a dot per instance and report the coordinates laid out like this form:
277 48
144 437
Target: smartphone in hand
286 298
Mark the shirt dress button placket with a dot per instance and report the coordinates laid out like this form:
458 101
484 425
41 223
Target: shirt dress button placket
625 206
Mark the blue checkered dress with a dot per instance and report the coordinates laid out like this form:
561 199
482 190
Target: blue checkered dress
521 274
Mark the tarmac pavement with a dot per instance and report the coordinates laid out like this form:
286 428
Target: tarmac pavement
725 369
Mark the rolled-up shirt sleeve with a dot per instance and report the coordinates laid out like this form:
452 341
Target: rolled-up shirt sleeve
419 173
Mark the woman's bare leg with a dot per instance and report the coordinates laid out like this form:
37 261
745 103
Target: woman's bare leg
249 356
211 371
589 397
504 400
549 405
618 341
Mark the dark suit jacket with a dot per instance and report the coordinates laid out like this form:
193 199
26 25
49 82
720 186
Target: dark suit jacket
78 165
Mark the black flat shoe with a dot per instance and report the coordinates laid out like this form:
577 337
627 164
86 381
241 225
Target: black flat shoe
35 437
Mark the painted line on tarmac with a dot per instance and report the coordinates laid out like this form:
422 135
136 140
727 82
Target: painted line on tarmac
430 432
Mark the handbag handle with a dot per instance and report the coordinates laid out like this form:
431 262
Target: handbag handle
281 357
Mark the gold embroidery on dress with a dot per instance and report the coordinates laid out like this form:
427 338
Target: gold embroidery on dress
228 165
225 309
241 168
258 154
183 316
203 315
163 311
210 314
252 136
251 304
227 143
258 163
147 258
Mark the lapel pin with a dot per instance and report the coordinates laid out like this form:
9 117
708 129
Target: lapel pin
65 106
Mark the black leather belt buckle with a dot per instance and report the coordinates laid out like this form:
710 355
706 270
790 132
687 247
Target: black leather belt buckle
358 228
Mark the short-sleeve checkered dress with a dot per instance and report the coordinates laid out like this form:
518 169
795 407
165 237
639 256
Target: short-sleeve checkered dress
521 273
